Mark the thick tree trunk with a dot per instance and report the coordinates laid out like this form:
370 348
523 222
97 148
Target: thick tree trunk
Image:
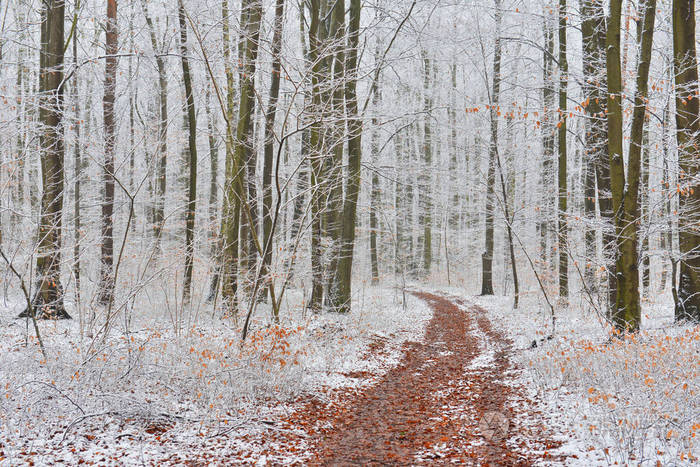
333 165
48 301
228 261
625 190
685 68
319 28
250 32
344 275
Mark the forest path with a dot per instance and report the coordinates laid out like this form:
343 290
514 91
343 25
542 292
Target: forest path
446 402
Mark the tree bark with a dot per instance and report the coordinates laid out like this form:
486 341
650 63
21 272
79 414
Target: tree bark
548 132
487 258
344 277
375 189
562 196
685 68
48 301
625 190
106 286
270 116
162 159
192 159
77 162
251 12
596 152
425 203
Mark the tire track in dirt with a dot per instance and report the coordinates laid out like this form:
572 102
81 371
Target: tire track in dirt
428 409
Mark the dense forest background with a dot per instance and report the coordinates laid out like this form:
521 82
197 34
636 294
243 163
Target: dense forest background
210 153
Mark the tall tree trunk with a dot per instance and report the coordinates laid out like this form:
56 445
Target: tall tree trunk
487 258
685 67
646 213
410 162
320 72
352 192
425 203
454 214
106 286
548 138
213 176
77 161
162 159
375 189
252 13
230 210
617 170
666 236
399 205
192 147
20 120
333 171
132 106
562 196
270 116
227 244
48 301
594 92
625 190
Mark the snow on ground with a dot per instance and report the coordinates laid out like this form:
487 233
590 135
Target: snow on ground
150 393
631 401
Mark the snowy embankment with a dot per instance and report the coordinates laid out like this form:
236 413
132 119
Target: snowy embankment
155 393
633 401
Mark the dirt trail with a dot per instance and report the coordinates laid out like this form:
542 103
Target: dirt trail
446 402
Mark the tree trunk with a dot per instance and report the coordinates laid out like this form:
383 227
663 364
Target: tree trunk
106 286
320 72
425 203
270 116
252 12
162 159
562 197
344 276
625 190
213 176
375 189
77 162
192 147
48 301
487 258
685 68
548 131
333 171
594 91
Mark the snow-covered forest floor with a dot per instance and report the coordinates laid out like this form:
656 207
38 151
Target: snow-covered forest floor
155 393
631 401
143 396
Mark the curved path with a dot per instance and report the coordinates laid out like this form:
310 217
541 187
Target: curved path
448 401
